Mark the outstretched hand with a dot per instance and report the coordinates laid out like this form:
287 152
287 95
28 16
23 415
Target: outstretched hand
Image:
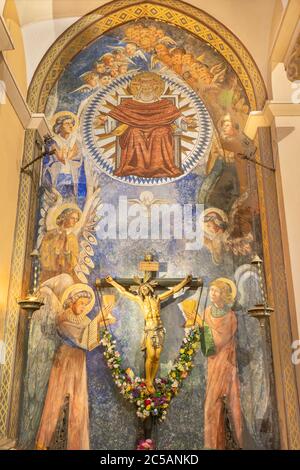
109 279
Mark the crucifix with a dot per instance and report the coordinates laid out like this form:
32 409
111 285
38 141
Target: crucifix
143 292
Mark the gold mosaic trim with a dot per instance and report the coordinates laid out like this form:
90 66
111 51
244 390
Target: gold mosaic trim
15 288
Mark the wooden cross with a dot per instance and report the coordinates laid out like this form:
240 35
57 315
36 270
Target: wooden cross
150 269
149 266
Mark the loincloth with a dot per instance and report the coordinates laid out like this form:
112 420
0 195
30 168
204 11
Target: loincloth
156 335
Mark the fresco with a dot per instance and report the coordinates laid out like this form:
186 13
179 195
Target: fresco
146 115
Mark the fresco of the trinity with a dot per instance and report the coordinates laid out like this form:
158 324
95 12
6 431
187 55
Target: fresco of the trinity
153 115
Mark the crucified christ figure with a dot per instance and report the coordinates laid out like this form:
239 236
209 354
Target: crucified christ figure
154 331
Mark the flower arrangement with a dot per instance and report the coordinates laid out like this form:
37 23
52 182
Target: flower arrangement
146 444
134 389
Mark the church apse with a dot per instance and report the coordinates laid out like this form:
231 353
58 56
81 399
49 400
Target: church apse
147 128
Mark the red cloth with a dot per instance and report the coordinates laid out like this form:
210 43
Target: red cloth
222 379
147 146
68 377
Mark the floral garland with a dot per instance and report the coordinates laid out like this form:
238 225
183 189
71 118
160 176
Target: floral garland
134 389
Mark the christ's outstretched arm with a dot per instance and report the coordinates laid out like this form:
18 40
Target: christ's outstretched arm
177 288
121 289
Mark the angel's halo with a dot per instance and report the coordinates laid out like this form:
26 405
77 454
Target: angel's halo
53 215
229 283
75 289
211 210
55 116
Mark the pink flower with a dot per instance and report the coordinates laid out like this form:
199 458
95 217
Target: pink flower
146 444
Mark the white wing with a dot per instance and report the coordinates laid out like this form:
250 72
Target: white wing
167 40
85 233
251 355
43 342
218 71
82 89
51 200
117 48
139 54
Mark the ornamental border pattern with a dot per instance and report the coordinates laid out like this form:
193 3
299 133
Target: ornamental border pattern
15 289
79 35
280 323
116 13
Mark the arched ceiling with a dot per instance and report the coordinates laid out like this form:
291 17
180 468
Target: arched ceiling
254 22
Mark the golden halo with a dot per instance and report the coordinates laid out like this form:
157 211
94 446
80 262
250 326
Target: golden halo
230 283
53 215
138 78
221 213
55 116
75 289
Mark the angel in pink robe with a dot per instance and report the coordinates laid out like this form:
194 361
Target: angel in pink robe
222 372
68 377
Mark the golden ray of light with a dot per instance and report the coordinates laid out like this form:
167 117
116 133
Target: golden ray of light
108 146
108 105
190 140
187 149
187 107
104 136
112 99
182 98
191 115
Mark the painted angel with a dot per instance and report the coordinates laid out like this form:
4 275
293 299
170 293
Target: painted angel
66 236
51 328
231 232
68 377
62 168
206 79
131 54
90 81
250 356
43 342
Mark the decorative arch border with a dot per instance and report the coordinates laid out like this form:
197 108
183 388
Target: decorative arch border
70 43
117 13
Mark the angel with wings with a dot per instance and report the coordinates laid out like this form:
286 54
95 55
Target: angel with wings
67 235
62 168
60 335
228 233
204 78
90 81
